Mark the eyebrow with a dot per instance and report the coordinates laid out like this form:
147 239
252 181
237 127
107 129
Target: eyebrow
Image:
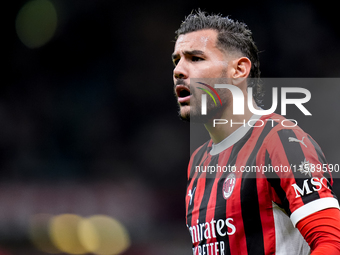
188 52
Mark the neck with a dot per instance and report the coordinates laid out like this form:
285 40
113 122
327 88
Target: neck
222 131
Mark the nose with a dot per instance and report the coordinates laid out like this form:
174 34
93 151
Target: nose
180 71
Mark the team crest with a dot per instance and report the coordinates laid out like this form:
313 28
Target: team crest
228 185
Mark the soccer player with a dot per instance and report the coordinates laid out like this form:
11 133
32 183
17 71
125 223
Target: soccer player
281 207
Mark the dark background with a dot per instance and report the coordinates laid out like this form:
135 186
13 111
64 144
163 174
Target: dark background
89 122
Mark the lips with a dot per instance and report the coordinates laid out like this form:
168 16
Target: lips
183 93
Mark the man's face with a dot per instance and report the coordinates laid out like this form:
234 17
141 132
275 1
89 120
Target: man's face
196 56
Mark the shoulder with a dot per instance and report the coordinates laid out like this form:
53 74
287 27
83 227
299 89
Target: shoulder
199 152
197 155
279 129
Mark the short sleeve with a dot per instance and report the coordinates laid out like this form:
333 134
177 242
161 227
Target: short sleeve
298 173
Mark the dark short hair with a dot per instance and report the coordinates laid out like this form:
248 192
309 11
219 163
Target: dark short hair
232 36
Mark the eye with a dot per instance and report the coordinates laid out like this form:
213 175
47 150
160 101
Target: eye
195 58
175 61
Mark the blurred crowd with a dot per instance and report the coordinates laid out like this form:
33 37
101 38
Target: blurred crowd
89 120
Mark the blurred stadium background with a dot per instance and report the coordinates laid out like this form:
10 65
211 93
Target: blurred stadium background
92 154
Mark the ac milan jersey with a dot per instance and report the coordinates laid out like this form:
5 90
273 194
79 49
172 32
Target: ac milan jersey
246 194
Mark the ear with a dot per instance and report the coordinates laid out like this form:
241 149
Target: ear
241 69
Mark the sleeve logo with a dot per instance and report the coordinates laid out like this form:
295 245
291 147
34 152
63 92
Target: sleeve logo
293 139
305 168
310 185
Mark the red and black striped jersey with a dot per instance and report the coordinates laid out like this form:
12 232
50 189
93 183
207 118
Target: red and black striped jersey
246 194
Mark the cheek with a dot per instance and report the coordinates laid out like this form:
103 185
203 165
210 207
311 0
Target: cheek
216 69
225 96
207 71
195 92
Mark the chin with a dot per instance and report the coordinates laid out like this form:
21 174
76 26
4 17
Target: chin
193 114
184 113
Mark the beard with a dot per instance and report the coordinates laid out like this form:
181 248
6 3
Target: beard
194 115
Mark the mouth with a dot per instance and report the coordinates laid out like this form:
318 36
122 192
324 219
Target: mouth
183 94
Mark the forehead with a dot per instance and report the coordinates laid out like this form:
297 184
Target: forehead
199 40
